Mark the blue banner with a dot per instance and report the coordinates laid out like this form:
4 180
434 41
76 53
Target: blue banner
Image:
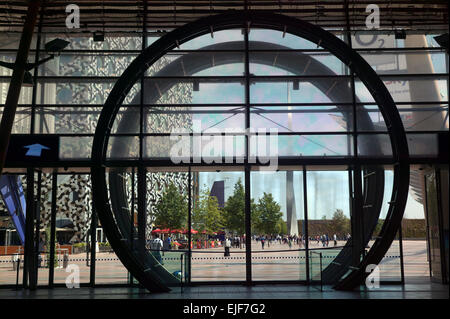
14 198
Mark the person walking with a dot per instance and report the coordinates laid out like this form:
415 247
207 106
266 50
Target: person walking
335 240
227 247
262 241
155 247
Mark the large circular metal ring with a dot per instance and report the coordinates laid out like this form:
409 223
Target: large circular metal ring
238 19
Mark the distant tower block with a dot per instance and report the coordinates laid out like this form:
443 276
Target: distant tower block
292 225
218 190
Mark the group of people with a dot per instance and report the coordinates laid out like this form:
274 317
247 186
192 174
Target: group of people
291 240
156 245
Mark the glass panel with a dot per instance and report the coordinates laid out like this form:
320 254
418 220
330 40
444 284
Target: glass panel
433 222
302 118
9 40
300 90
445 216
86 64
219 37
277 226
415 117
123 147
166 220
43 227
414 232
409 62
108 268
22 120
287 40
329 225
66 120
210 260
294 63
12 206
200 63
314 145
8 57
423 144
80 91
26 92
328 200
377 145
75 147
73 219
127 121
196 91
72 91
111 42
368 40
390 265
195 119
409 89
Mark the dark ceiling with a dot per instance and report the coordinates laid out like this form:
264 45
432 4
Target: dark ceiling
127 15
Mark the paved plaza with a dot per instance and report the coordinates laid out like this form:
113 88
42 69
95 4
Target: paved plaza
275 262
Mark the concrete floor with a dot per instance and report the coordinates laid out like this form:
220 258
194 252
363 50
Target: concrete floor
272 292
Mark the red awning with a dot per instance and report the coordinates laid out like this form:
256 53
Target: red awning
193 231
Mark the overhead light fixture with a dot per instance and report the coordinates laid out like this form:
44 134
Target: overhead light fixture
400 34
442 40
196 85
99 36
56 46
52 48
27 79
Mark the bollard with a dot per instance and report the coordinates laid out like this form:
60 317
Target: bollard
65 260
17 275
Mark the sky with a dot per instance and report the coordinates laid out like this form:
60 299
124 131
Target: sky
327 190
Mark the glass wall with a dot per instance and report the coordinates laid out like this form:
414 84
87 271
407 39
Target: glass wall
292 86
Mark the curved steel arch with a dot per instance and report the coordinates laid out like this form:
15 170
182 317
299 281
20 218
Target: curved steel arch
260 20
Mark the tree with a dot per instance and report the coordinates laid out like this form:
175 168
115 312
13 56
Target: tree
282 227
340 224
172 209
207 215
269 215
234 211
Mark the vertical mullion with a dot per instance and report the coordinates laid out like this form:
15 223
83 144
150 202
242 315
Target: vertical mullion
28 277
36 72
440 215
400 242
133 200
141 100
189 225
305 222
37 225
93 247
51 271
142 192
248 243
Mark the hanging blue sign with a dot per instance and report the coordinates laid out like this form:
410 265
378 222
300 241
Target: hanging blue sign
33 148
